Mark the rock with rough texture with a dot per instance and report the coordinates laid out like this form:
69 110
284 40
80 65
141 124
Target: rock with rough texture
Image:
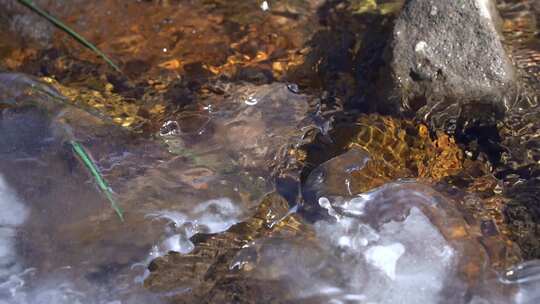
444 55
26 23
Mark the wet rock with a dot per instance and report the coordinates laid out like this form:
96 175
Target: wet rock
442 56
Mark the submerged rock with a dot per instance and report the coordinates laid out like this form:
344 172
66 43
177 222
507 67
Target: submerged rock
379 149
194 277
444 55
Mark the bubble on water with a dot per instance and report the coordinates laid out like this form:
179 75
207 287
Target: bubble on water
178 243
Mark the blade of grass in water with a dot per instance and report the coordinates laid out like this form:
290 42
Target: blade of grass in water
72 33
102 184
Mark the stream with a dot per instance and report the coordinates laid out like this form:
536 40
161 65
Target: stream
243 171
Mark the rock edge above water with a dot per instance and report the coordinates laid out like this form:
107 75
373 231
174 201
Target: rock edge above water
444 55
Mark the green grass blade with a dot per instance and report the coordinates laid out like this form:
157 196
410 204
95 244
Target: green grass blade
102 184
72 33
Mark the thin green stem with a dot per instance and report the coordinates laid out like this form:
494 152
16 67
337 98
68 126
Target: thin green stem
102 184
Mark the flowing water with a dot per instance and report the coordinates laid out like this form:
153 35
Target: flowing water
169 187
241 175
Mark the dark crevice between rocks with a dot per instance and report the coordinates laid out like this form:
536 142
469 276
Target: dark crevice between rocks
476 129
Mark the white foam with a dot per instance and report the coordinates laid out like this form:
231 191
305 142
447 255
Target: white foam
178 243
380 248
14 213
400 256
212 216
385 258
217 215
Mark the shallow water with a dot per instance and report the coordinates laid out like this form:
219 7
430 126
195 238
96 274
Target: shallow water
216 100
169 187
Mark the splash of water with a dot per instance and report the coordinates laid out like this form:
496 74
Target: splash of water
399 243
212 216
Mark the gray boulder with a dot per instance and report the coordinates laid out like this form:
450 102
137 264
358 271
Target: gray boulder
444 55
